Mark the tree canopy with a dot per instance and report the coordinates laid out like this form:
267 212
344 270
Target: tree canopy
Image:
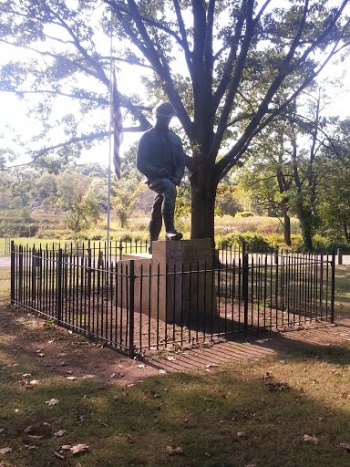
230 68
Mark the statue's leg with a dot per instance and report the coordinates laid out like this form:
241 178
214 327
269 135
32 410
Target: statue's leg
155 224
168 190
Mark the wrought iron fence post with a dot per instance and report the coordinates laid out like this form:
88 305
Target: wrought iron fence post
132 278
245 286
120 248
333 287
88 269
33 274
20 272
59 285
13 271
276 278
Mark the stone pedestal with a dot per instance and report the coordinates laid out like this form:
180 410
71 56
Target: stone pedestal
186 282
176 284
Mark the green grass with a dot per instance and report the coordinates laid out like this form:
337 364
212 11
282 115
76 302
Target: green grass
4 285
54 232
230 416
4 246
241 414
342 289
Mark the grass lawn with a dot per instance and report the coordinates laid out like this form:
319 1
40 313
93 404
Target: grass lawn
27 242
289 410
342 289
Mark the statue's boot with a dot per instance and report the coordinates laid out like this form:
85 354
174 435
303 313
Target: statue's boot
170 232
154 229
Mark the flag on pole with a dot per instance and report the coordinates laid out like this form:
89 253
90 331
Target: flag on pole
117 126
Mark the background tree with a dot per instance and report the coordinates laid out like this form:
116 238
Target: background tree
124 195
267 176
286 164
227 201
83 214
333 191
238 66
334 200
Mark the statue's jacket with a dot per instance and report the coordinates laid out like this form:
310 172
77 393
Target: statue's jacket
159 149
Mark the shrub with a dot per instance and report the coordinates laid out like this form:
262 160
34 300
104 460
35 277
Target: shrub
245 214
322 244
254 241
96 237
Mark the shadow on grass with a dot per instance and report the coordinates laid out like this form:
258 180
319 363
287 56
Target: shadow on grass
232 416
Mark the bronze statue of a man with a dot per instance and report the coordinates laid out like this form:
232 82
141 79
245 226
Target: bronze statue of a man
160 157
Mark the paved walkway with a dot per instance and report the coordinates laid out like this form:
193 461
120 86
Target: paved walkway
313 337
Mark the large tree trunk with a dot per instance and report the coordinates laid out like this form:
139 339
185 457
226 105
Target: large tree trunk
286 230
305 220
202 207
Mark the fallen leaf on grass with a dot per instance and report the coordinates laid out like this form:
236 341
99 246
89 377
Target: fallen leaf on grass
37 431
242 434
5 451
52 402
310 439
66 447
345 446
172 451
60 433
117 375
29 384
35 437
58 455
71 378
79 448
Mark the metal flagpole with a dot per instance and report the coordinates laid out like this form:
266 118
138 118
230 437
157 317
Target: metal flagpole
110 138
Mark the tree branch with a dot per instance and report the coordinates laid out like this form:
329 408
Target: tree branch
255 126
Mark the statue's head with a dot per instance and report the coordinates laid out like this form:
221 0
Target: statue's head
164 110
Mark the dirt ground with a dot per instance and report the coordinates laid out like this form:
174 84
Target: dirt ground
70 355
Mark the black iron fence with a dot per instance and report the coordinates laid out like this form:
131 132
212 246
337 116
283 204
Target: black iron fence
134 305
